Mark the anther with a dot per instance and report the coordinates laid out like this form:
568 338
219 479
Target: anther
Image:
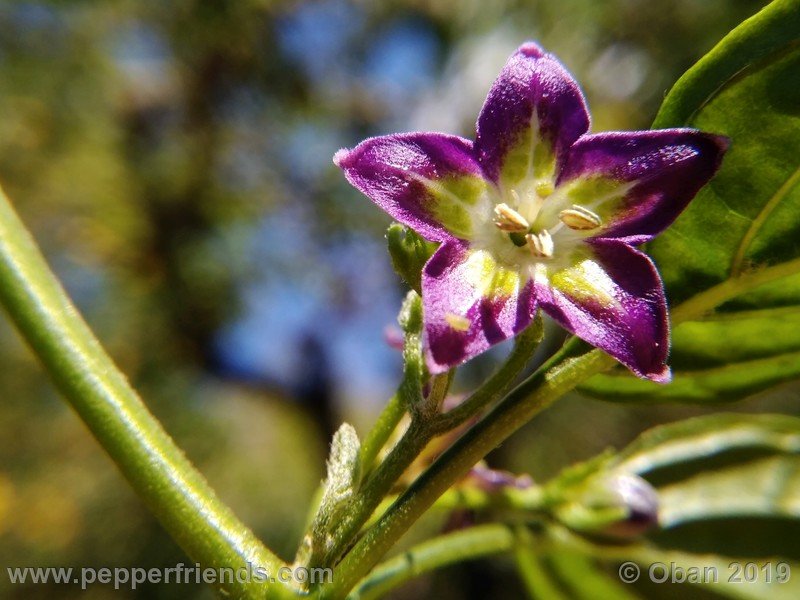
540 244
579 218
509 220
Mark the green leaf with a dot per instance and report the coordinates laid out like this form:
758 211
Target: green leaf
539 583
564 574
585 580
720 466
729 492
708 436
735 249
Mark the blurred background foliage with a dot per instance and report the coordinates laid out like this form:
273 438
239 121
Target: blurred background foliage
173 159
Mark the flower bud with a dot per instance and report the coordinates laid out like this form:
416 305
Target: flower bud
409 253
618 505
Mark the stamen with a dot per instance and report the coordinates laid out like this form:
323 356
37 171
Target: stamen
540 244
457 322
509 220
580 218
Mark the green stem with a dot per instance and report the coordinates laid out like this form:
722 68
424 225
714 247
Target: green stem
499 384
729 289
529 500
558 376
378 436
156 468
374 489
423 428
475 542
439 386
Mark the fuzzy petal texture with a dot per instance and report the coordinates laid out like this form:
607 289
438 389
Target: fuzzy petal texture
470 304
638 182
533 114
614 299
428 181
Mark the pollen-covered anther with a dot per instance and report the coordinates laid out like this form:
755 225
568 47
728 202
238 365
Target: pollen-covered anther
509 220
580 218
540 244
457 322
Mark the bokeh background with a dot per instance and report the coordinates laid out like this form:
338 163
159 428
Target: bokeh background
173 159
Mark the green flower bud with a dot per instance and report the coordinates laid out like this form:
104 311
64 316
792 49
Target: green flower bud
409 253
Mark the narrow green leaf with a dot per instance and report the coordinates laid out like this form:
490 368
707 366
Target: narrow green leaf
721 384
585 580
766 487
539 582
728 490
708 436
716 573
665 572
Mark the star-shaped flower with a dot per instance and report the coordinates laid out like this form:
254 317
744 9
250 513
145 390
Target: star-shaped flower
537 212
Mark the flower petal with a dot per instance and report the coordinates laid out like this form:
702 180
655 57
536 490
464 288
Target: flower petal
532 115
614 299
470 303
428 181
639 182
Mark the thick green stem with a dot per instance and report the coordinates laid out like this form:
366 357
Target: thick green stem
468 544
561 374
156 468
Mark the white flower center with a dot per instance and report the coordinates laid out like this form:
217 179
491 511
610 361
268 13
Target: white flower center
534 223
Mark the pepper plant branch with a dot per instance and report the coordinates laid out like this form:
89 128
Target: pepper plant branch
558 376
157 469
423 428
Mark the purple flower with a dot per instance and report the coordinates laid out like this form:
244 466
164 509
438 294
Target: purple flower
537 212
